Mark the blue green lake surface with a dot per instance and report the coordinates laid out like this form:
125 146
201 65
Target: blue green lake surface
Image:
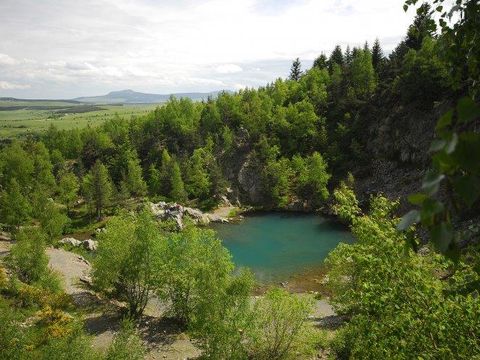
278 245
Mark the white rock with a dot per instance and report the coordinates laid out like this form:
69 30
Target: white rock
70 241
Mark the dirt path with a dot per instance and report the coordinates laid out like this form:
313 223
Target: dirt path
71 267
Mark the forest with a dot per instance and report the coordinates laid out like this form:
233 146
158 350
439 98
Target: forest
387 143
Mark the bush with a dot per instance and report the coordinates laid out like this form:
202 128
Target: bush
27 257
280 328
126 345
222 321
197 265
398 306
129 259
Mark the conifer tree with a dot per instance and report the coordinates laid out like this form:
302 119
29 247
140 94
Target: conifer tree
177 192
296 70
377 55
154 184
320 62
97 187
164 175
335 58
135 183
68 187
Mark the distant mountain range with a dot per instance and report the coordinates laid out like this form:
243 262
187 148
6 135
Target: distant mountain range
133 97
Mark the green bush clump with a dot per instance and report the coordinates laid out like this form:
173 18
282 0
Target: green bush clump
398 305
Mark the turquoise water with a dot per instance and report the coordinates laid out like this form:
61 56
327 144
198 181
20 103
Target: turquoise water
278 245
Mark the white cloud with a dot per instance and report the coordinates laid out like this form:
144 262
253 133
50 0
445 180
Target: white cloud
228 69
5 85
92 46
7 60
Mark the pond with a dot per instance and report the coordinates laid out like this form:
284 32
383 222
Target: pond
278 245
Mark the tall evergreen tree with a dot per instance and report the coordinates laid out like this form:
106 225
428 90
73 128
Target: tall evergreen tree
423 26
68 187
348 55
296 70
177 187
97 187
335 58
321 62
377 55
133 178
165 171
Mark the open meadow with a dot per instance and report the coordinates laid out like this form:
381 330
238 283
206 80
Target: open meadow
20 117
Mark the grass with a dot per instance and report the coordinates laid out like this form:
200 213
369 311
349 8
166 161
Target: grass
19 118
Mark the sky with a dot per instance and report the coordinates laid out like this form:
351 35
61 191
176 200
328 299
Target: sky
65 49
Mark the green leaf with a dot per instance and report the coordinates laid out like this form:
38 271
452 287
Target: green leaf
439 8
417 199
467 110
405 7
410 218
468 188
452 144
437 145
431 182
444 121
442 236
467 152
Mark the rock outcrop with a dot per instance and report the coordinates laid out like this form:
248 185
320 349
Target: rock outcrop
177 213
89 244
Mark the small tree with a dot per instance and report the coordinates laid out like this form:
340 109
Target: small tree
68 186
28 258
14 207
280 326
197 265
296 70
129 259
134 178
97 188
177 188
222 320
53 221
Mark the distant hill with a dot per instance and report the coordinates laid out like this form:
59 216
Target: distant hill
133 97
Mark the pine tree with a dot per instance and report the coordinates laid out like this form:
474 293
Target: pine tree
68 187
97 187
295 70
423 26
177 192
377 55
321 62
348 55
335 58
154 184
135 183
164 176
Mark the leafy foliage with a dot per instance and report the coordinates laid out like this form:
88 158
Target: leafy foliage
397 304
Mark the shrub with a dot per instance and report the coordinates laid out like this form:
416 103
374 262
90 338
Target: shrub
126 345
27 257
129 259
280 326
197 265
398 306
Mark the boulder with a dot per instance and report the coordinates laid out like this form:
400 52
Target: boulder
90 245
70 241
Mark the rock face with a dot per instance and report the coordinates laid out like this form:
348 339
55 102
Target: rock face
249 182
89 244
177 213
